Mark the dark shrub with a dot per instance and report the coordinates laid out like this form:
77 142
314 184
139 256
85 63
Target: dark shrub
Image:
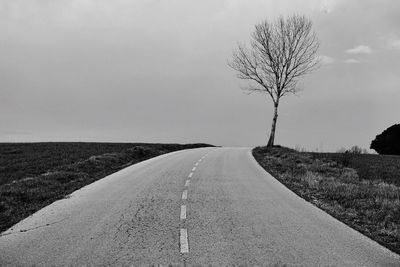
355 150
388 142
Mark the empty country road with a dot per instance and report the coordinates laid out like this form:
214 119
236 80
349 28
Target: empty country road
207 206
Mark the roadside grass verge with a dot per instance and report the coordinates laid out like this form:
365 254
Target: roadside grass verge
368 166
33 175
363 191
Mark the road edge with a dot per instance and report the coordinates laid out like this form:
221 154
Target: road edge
361 235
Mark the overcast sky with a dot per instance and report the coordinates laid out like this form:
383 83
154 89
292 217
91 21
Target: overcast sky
156 71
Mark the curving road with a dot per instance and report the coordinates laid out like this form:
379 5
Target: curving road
209 206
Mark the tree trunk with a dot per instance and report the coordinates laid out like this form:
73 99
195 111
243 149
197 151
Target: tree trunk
272 135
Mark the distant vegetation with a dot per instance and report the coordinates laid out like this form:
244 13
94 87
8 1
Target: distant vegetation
353 150
361 190
33 175
388 142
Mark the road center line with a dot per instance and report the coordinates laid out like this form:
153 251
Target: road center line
183 212
187 183
184 194
190 175
184 241
197 164
194 168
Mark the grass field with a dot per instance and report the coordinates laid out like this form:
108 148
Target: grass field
368 166
361 190
33 175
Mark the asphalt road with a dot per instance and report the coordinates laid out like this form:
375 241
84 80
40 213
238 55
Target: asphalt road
184 208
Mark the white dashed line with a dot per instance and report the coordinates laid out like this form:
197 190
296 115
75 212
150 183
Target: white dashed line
183 212
183 233
184 195
184 241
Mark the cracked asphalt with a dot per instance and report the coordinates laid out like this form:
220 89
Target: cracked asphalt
237 214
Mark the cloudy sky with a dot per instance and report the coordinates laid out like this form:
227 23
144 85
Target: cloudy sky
156 71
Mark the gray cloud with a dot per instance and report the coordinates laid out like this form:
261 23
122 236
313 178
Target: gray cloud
326 59
394 43
351 61
361 49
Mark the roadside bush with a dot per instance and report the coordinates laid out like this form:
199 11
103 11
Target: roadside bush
355 150
348 175
388 142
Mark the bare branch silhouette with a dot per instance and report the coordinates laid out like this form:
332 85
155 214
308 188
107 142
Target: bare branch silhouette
280 53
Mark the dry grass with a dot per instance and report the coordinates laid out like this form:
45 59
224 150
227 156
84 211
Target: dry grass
368 166
371 206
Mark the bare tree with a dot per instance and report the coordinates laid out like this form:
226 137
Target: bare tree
281 52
